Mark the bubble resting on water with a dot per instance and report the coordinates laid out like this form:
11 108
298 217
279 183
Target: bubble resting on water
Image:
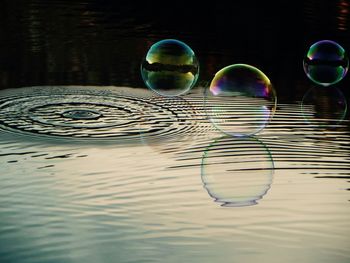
88 113
240 100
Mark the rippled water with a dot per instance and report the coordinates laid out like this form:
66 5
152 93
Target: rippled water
115 174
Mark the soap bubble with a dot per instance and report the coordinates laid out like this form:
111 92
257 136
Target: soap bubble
326 63
240 100
170 68
237 171
324 106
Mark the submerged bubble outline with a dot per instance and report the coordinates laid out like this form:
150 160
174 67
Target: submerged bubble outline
318 123
243 203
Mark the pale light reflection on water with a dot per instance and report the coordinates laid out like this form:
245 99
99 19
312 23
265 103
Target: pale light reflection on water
94 198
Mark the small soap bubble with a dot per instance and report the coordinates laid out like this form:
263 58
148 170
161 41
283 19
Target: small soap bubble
240 100
170 68
326 63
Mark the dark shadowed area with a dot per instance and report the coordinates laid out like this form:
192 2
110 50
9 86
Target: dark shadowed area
102 42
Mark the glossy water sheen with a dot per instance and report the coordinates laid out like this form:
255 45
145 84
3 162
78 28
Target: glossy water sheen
170 68
91 190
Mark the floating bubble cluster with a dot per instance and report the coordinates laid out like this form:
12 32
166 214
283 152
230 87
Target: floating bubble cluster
240 100
170 68
326 63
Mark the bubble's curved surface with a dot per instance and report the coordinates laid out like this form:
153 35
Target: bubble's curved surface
237 171
324 106
240 100
326 63
98 113
170 68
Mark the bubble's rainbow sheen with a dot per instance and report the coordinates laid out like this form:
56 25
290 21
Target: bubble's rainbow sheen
326 63
170 68
240 100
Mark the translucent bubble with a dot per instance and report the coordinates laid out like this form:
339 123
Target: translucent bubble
326 63
324 106
240 100
237 171
170 68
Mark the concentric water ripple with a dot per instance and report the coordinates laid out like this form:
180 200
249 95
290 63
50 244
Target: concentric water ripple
91 112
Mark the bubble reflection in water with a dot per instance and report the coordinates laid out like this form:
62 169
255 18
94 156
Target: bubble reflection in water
324 106
237 171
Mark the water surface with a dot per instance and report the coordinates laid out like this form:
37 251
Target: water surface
79 189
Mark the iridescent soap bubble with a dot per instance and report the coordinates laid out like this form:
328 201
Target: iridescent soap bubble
170 68
326 63
324 106
237 171
240 100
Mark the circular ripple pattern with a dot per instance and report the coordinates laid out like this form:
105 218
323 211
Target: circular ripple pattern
178 114
82 114
326 63
89 112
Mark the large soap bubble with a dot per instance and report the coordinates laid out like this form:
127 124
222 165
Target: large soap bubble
240 100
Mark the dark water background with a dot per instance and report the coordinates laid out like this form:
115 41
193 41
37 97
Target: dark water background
102 42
